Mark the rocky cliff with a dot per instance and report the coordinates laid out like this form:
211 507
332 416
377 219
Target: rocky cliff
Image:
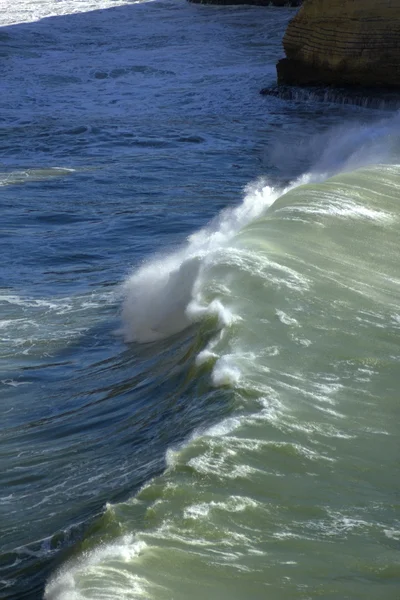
343 42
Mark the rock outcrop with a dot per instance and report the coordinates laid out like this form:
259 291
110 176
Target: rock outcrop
255 2
343 42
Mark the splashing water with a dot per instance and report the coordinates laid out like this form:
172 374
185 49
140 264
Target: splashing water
163 296
157 295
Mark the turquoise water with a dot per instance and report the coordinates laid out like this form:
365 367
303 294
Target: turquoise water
199 315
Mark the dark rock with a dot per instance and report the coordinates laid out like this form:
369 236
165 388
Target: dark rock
343 43
381 98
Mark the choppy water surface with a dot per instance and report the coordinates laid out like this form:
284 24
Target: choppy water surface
199 315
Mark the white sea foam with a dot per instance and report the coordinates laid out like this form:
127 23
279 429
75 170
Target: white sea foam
28 175
226 372
231 504
13 383
25 11
393 534
38 325
94 564
341 208
163 296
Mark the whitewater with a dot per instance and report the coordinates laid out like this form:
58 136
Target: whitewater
298 250
199 317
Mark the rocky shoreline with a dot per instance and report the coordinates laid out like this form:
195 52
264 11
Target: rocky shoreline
334 46
382 99
343 43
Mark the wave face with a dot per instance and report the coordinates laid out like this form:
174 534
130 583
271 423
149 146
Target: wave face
238 440
294 296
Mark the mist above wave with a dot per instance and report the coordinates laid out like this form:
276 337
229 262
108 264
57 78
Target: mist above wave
163 296
157 295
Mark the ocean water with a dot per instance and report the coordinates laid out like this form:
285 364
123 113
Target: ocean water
199 314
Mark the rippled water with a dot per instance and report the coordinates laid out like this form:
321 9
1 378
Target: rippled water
199 314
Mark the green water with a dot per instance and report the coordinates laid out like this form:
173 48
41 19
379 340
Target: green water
295 495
